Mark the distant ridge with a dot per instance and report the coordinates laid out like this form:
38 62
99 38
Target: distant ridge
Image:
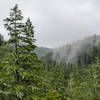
42 51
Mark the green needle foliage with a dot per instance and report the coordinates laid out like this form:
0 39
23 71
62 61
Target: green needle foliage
22 78
15 26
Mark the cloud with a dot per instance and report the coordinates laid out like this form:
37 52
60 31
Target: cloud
58 21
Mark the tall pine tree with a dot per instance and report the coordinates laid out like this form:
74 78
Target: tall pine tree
21 67
15 26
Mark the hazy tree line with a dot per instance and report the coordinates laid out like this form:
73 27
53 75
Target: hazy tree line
24 77
81 52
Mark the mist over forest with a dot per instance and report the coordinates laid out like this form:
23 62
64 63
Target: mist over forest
69 53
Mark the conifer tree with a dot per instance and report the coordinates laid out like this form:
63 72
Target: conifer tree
1 39
15 26
28 37
22 79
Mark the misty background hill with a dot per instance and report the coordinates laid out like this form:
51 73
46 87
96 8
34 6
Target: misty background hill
42 51
81 52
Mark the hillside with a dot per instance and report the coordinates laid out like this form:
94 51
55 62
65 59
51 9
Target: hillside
81 52
42 51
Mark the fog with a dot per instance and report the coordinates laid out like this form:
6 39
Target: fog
69 52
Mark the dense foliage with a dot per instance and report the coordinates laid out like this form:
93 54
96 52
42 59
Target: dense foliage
24 77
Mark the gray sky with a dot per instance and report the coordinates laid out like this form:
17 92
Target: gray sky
57 22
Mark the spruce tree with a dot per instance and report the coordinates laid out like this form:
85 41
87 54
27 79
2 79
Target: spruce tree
27 39
21 67
14 25
1 40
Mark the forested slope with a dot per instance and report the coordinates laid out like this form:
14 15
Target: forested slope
24 77
81 52
42 51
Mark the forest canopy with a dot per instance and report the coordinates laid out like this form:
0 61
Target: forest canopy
55 76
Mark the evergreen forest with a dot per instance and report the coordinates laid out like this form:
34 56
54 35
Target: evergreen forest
71 72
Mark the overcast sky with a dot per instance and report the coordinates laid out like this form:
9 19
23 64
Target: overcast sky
57 22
